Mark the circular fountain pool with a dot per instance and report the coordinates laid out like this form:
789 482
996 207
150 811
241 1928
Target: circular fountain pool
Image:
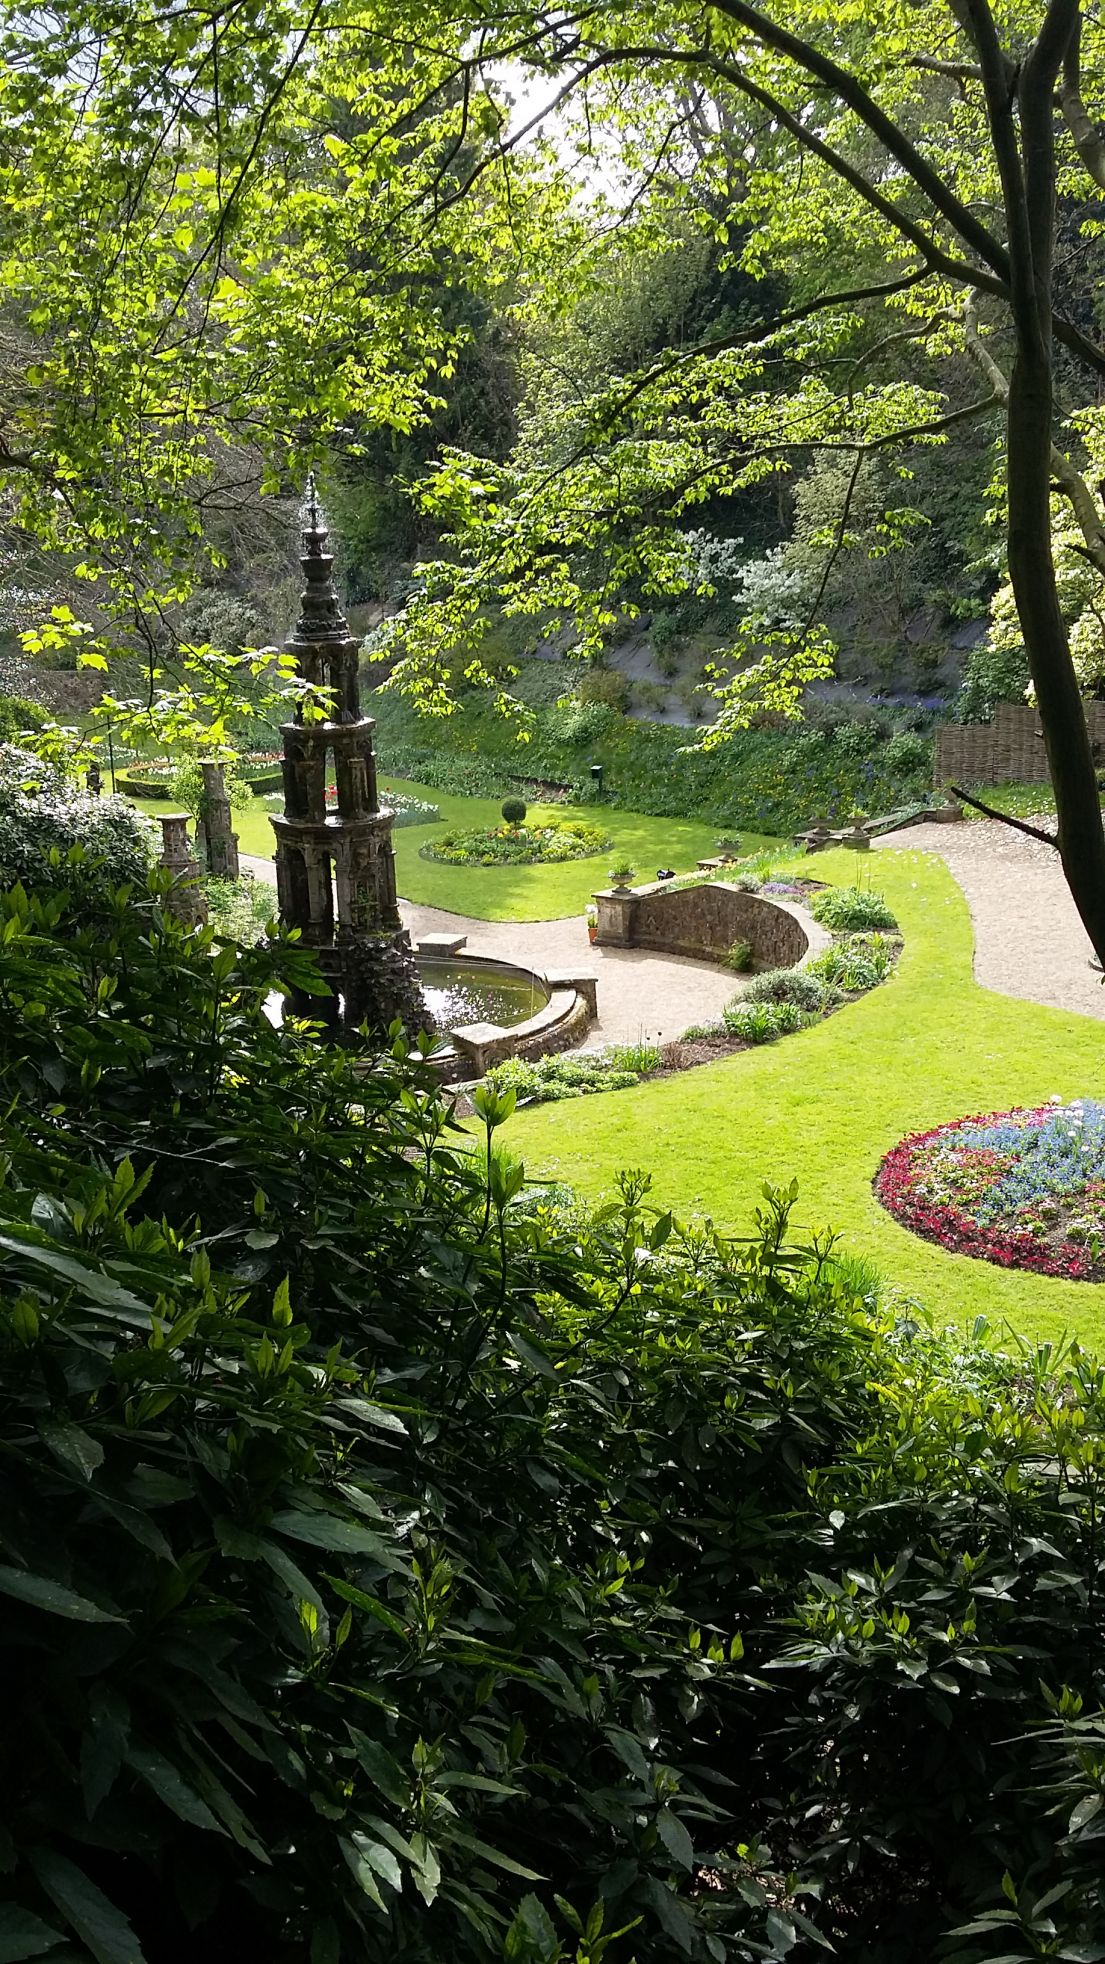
459 992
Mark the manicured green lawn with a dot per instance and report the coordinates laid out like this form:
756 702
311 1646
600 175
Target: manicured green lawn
823 1106
517 893
827 1104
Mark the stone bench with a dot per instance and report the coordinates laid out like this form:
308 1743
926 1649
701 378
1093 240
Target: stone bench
442 946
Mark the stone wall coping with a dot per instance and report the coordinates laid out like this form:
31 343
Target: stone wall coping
442 945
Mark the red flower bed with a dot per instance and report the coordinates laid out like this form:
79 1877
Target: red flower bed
904 1185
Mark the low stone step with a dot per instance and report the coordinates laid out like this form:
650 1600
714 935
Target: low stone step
442 945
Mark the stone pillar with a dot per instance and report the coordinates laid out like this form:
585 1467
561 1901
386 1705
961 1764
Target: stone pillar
318 929
186 899
220 843
616 908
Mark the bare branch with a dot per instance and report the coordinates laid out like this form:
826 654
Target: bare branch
1005 818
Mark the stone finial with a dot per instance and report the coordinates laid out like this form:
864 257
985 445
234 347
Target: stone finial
186 900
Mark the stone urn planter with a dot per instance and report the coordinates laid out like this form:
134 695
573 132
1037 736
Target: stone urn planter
621 877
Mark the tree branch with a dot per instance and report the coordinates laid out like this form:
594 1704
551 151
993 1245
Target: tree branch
1088 139
1069 480
1005 818
851 91
933 254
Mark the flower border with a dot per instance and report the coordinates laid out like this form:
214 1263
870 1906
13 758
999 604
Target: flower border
951 1228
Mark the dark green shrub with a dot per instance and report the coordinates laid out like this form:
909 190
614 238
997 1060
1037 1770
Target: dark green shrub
851 908
19 714
513 810
607 686
477 1562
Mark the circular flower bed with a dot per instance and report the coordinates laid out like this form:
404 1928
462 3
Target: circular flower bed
1025 1189
518 845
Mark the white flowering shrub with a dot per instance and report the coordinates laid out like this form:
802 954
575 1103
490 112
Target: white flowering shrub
44 815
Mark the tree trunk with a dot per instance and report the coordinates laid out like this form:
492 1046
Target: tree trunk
1032 571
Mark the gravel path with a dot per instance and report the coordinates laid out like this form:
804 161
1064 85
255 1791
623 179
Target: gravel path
1029 941
639 994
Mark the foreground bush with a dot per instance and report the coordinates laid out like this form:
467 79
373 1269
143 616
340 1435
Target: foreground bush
396 1568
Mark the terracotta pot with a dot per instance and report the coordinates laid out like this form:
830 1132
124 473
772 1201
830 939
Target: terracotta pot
592 931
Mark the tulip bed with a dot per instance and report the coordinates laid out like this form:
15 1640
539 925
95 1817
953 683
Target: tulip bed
1024 1189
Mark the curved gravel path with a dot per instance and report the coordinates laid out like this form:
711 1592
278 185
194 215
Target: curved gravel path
640 995
1029 941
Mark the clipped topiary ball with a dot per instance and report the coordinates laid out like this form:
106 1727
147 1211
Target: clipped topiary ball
513 810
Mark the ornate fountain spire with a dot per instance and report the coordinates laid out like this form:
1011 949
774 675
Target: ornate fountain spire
315 527
320 615
335 868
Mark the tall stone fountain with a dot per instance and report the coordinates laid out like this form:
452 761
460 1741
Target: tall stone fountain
335 867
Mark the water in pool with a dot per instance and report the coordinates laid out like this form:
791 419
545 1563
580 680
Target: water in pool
470 992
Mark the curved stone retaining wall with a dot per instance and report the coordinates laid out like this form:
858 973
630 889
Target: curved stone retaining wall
704 921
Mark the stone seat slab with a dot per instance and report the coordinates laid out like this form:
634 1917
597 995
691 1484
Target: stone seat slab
442 945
